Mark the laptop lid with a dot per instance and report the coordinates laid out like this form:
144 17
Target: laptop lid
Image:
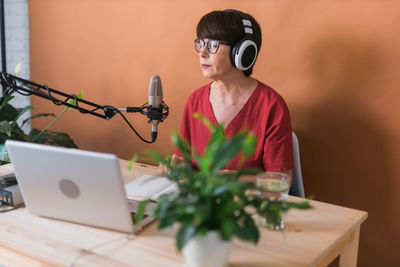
72 185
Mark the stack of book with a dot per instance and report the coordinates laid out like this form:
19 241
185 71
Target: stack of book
148 187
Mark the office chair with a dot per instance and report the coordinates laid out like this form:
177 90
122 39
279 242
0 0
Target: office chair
297 188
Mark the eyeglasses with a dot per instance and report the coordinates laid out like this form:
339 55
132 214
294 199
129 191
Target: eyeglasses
211 45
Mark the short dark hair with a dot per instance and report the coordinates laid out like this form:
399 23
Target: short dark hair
227 26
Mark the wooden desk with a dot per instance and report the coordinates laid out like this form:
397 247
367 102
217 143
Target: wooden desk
311 238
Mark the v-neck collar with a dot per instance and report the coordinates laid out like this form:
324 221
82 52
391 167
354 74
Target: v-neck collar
237 114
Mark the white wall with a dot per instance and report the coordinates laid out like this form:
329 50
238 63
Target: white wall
17 44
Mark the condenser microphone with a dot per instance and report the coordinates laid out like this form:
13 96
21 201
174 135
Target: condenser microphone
155 109
155 104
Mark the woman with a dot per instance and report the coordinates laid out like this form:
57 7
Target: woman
228 43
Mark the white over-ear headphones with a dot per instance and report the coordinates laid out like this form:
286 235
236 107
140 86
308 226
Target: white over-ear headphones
244 52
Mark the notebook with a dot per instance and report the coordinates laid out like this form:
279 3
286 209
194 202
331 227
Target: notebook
149 187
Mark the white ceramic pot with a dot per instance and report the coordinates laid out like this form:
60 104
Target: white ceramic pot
207 251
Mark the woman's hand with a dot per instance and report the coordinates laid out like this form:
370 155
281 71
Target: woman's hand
175 159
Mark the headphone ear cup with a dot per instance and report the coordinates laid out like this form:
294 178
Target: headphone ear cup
244 54
234 51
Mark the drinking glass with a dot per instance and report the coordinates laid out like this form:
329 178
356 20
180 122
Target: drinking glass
273 186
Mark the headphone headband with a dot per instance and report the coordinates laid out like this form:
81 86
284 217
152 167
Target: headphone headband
247 26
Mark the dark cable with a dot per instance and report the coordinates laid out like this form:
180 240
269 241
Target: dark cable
133 129
55 101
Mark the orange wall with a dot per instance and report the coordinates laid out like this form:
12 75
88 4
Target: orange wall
335 63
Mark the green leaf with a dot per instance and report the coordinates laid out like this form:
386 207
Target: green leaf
220 190
140 213
196 157
177 141
5 101
167 221
227 152
227 228
272 210
299 205
73 102
25 109
17 133
8 113
227 208
185 233
249 145
5 128
206 122
3 138
18 67
163 205
248 231
51 138
4 154
37 116
273 215
216 140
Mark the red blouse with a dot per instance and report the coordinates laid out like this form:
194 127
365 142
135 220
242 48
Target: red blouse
265 114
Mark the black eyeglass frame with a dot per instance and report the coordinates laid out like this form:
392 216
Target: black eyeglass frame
207 45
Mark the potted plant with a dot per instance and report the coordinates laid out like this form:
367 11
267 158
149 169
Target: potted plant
212 206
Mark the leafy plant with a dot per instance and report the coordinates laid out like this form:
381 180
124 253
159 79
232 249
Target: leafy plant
9 129
209 199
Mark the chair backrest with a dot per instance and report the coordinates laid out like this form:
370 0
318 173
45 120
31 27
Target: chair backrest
297 188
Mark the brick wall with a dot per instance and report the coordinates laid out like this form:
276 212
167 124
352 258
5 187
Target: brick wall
17 44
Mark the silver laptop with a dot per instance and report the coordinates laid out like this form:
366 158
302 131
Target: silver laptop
72 185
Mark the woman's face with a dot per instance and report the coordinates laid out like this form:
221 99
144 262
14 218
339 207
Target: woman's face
216 66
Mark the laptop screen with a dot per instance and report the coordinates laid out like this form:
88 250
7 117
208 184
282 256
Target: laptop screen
72 185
